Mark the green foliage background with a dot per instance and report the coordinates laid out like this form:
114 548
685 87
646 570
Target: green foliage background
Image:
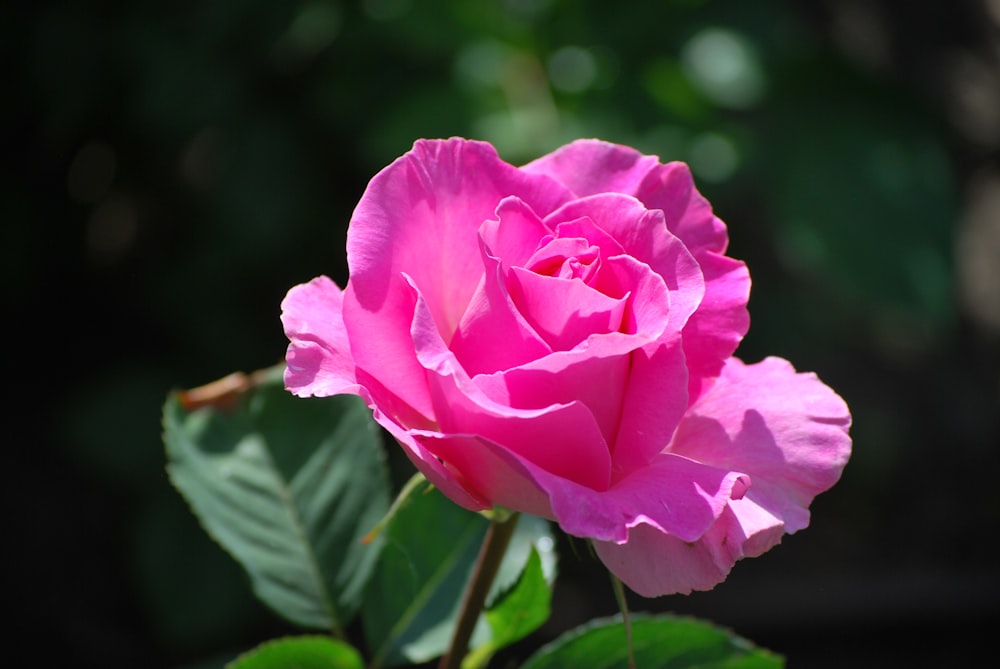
171 169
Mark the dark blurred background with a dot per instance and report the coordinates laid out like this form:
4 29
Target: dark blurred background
170 169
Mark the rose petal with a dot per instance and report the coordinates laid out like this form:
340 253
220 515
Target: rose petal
674 494
448 480
562 438
650 304
655 400
420 215
393 364
653 563
589 166
493 334
584 229
689 215
714 331
566 258
515 234
788 432
599 382
643 235
319 356
485 472
563 311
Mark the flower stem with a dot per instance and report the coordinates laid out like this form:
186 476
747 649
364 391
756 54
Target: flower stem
491 553
623 605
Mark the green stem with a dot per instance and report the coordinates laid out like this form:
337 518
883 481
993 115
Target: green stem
490 555
623 605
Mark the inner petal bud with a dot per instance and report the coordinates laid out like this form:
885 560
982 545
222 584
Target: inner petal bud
564 311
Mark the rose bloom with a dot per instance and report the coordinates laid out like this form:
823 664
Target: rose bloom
558 339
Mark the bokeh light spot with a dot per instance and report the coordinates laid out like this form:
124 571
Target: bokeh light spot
724 66
713 157
572 69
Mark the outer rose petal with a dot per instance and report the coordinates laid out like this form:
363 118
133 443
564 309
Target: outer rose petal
715 330
590 166
674 495
484 469
653 563
787 431
319 355
449 481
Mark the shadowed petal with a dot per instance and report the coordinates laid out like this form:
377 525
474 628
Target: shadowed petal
788 432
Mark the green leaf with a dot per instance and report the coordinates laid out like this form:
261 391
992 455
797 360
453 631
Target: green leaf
289 487
533 534
301 652
413 599
519 612
659 642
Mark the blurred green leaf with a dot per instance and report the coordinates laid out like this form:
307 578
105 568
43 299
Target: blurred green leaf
658 642
414 596
289 487
517 614
532 535
304 652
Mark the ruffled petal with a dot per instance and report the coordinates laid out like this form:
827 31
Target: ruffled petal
318 358
387 359
689 215
589 166
653 563
515 234
787 430
642 234
420 215
675 495
596 370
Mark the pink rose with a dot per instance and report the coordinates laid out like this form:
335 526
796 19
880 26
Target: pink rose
557 339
